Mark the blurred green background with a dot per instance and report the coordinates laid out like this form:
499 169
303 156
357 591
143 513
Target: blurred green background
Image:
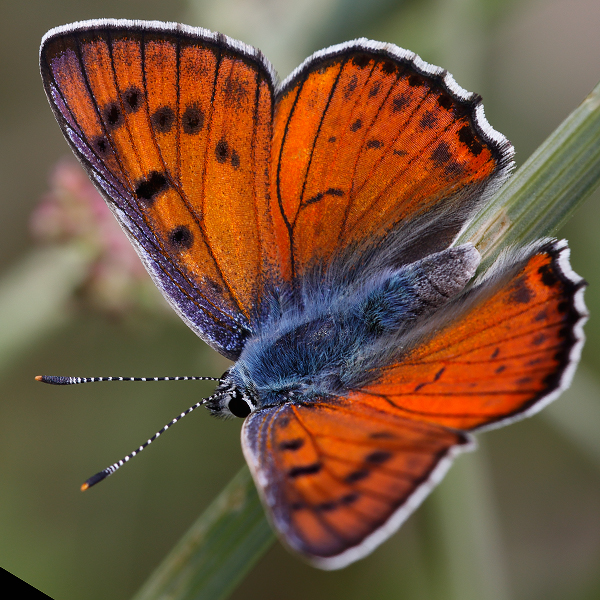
519 519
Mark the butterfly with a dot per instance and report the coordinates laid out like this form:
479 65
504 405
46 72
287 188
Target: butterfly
306 230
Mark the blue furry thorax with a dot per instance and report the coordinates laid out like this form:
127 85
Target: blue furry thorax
310 344
337 331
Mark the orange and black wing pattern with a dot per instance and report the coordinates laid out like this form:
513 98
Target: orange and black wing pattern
372 146
339 476
173 124
502 352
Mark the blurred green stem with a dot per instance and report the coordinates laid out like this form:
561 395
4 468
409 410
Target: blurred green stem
468 530
577 414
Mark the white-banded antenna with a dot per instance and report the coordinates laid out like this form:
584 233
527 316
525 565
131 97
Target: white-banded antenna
59 380
110 470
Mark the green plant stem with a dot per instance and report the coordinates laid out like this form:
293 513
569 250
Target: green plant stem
468 530
577 414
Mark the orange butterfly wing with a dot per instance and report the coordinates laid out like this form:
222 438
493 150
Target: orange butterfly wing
503 352
368 140
174 126
338 476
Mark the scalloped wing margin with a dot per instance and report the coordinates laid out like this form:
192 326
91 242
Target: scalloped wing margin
380 155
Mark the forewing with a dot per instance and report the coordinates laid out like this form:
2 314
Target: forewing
173 125
503 352
339 476
369 143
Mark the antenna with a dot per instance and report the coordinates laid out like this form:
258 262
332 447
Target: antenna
110 470
60 380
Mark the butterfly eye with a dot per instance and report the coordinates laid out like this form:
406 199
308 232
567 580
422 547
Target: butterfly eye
238 406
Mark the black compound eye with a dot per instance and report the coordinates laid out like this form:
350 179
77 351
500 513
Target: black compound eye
238 407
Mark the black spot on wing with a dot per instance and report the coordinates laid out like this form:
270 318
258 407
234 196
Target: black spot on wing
292 445
361 60
303 471
217 288
100 145
147 190
374 144
326 506
349 498
332 505
235 159
132 99
181 238
441 154
112 115
222 151
428 120
548 276
378 457
321 195
374 89
192 121
445 101
162 120
467 137
399 102
382 435
356 125
351 86
355 476
521 294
